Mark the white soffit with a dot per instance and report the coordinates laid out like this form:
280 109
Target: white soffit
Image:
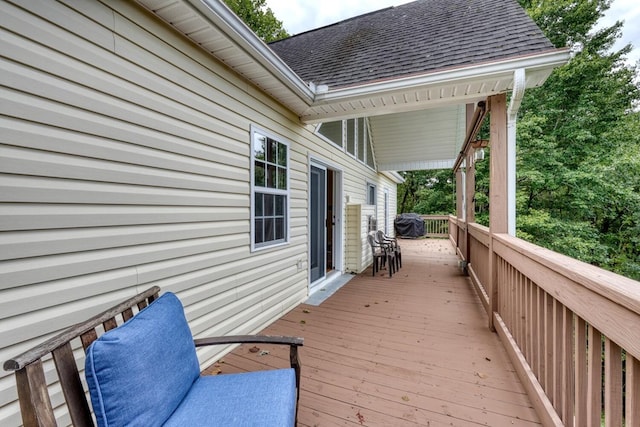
418 140
443 88
211 25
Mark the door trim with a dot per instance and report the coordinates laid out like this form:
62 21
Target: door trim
338 209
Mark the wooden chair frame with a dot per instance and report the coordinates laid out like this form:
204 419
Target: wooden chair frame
33 393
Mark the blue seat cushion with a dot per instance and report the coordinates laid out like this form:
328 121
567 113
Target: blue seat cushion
139 372
263 398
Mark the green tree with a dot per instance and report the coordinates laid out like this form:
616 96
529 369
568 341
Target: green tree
429 192
578 146
259 18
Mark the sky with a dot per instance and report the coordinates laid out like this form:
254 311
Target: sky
302 15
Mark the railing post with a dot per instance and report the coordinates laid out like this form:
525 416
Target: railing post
498 206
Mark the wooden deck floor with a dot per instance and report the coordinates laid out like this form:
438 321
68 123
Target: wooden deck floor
403 351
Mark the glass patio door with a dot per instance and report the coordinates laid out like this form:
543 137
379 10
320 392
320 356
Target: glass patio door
318 218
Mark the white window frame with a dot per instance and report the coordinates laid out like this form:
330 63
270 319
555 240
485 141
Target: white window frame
342 132
374 186
254 134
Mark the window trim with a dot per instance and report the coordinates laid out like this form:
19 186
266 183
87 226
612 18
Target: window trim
326 139
255 130
371 185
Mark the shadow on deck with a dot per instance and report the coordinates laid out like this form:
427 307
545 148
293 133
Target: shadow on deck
413 349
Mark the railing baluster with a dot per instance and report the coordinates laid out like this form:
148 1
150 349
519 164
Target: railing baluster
594 377
558 357
535 335
548 381
580 372
527 315
568 364
612 384
632 390
517 307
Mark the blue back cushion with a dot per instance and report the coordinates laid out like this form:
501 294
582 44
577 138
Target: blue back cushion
139 372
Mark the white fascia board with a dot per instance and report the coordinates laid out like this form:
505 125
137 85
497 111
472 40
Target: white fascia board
394 176
549 60
222 17
417 165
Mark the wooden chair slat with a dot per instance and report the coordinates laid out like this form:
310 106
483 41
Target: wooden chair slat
72 386
35 404
110 324
88 337
127 314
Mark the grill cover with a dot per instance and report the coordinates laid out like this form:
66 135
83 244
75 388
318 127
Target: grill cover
409 225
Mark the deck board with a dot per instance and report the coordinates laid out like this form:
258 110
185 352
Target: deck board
409 350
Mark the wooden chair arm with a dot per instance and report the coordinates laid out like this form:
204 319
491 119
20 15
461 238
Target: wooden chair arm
249 339
292 342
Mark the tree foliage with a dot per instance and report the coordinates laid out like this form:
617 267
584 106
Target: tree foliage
427 192
579 146
259 18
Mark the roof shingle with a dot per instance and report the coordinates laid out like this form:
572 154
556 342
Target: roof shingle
419 37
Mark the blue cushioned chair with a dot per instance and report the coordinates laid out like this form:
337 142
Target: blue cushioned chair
145 373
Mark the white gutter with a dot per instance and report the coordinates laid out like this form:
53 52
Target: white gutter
519 83
553 59
219 14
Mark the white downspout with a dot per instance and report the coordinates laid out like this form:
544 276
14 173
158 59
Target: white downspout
519 83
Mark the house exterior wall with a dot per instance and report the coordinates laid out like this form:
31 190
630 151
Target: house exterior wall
124 154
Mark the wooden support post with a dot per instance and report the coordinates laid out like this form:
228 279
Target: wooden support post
470 185
498 206
470 194
459 205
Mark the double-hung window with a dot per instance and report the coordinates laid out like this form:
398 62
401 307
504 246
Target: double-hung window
270 189
372 190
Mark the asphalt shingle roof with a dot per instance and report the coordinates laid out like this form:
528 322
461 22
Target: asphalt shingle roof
414 38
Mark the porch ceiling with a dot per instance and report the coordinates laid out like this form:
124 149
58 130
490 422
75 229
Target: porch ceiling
416 140
417 121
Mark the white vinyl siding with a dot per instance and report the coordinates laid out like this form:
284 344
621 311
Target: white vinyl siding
125 163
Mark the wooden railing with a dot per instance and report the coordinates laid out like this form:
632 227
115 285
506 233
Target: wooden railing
478 263
453 230
436 226
571 329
